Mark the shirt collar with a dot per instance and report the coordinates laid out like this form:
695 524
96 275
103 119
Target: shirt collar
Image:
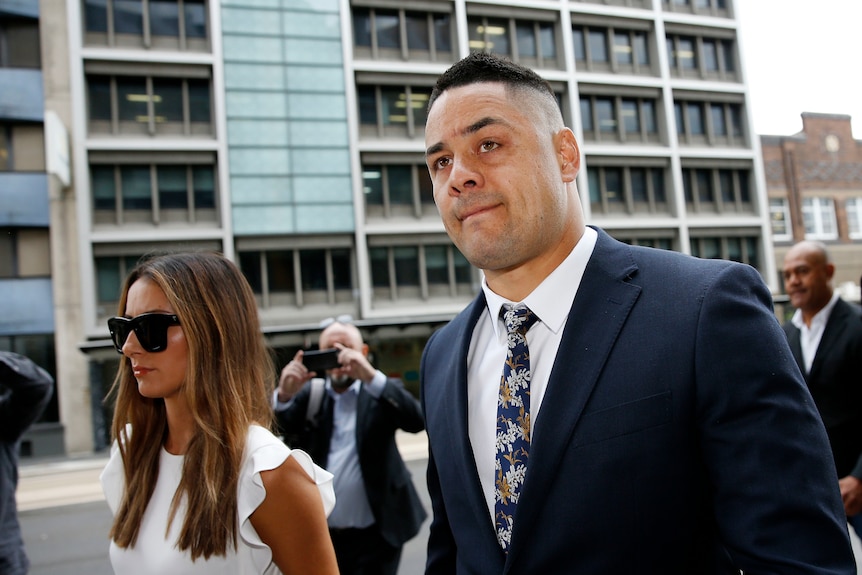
552 299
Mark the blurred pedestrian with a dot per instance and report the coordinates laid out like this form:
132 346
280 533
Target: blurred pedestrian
825 335
25 389
352 435
196 480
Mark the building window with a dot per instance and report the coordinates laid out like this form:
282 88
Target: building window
630 3
627 190
418 272
703 57
19 43
392 111
152 106
397 190
742 249
709 123
530 43
153 194
5 147
779 217
854 217
397 34
663 242
717 190
705 7
620 119
611 49
159 24
818 215
299 277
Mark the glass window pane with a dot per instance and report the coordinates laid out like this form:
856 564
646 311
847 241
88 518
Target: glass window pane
7 253
279 271
658 185
710 55
342 277
587 114
578 41
649 117
719 128
725 182
406 265
173 189
132 99
200 109
379 266
729 56
137 194
388 33
203 178
734 249
249 263
614 185
623 48
598 46
367 105
742 177
394 104
196 18
400 189
711 248
641 49
680 123
687 186
426 188
704 186
686 53
419 105
362 27
96 15
736 120
463 270
128 17
497 37
99 88
695 118
443 32
639 185
168 100
108 278
417 31
313 265
436 266
104 192
671 53
631 121
605 114
526 38
547 40
372 185
164 18
595 183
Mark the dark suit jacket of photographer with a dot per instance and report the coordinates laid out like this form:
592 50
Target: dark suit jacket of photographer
397 509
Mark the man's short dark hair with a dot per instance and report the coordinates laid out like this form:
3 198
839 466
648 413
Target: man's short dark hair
482 67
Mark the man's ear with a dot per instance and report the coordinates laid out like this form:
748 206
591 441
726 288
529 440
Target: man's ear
569 154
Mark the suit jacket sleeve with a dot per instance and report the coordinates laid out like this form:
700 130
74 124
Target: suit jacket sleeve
25 389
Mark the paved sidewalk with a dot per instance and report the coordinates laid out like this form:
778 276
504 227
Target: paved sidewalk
52 483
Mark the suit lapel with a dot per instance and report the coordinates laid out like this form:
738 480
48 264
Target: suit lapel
603 302
832 334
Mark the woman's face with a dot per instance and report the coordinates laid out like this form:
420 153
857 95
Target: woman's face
159 374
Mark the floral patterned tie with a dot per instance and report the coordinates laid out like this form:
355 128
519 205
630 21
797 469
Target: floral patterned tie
513 421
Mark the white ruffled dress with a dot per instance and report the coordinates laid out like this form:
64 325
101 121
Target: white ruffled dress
154 553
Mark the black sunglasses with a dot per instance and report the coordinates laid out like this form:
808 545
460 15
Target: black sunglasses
151 329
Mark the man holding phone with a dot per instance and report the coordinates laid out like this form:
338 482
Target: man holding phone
352 434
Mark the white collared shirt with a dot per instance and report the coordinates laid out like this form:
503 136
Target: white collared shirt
809 337
551 301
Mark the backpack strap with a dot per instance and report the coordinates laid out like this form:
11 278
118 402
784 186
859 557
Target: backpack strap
315 398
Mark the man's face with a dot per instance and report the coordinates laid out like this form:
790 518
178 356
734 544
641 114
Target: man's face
807 278
496 174
348 336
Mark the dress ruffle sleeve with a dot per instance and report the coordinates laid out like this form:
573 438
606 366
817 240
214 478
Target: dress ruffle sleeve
113 479
264 451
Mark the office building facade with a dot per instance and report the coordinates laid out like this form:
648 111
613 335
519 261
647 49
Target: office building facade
289 134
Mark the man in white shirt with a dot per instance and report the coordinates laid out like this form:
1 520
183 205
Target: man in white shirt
825 335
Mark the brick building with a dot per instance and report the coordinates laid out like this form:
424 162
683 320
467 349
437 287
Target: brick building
814 185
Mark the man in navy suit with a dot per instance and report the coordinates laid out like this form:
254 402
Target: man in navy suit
825 335
670 431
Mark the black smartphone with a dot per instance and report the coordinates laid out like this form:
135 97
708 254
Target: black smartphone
321 360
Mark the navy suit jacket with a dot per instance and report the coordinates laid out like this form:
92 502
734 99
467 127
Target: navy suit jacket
396 506
835 382
676 436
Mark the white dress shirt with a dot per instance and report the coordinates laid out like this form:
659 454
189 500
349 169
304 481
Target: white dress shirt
551 301
810 336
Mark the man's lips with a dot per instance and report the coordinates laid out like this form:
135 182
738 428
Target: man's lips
474 211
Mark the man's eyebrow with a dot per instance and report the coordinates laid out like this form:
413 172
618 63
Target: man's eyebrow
471 129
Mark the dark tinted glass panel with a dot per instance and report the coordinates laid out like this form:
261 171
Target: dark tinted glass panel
394 104
443 32
204 186
658 185
168 100
744 193
725 182
96 15
719 127
372 185
496 34
341 274
526 38
173 189
108 278
614 185
639 185
196 18
388 31
137 194
649 118
587 114
623 48
578 41
104 193
426 189
547 41
641 50
605 114
598 46
418 37
695 118
419 105
729 55
406 265
680 123
164 18
710 55
200 110
379 267
362 27
367 105
128 17
313 265
279 271
595 182
686 53
463 271
99 97
436 266
704 186
249 263
400 188
631 119
132 99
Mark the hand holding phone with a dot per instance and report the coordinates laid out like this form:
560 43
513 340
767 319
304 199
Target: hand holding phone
321 360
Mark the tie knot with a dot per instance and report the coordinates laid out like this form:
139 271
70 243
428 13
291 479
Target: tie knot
518 319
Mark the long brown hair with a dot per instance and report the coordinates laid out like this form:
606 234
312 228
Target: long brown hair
227 387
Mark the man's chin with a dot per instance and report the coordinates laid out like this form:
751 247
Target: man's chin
341 382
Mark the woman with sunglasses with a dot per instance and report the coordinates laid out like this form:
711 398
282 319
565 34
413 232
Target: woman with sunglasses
196 481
